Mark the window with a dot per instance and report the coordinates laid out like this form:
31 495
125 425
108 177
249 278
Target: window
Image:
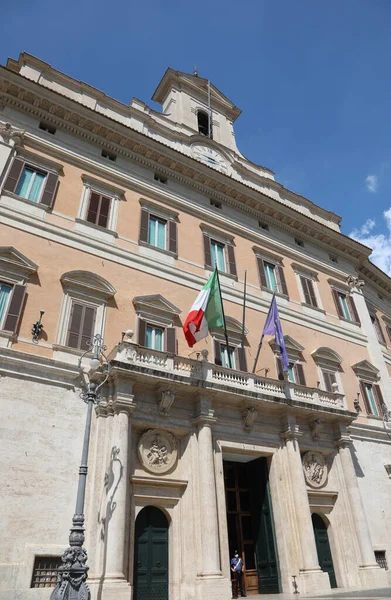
330 381
372 397
219 253
109 155
378 329
299 242
203 124
345 305
272 276
295 372
328 362
388 329
381 560
154 337
215 203
48 128
98 209
31 183
11 305
308 291
5 294
45 571
227 354
160 178
157 231
157 319
81 326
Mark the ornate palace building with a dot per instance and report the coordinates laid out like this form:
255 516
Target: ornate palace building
111 219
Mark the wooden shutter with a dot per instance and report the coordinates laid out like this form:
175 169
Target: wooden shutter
337 303
311 291
93 208
172 237
15 308
81 326
379 398
142 330
353 310
88 327
242 361
281 279
261 269
104 211
217 350
11 183
379 331
170 340
75 322
299 373
307 296
388 328
365 398
280 370
207 251
144 222
231 260
50 190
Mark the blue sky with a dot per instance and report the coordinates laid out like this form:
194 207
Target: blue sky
312 79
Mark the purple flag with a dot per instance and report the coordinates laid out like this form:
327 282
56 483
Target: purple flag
273 327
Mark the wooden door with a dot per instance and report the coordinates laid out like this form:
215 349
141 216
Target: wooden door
151 555
323 548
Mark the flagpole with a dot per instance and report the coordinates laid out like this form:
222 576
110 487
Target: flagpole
262 336
244 307
209 113
225 325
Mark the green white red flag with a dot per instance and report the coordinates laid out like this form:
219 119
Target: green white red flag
206 312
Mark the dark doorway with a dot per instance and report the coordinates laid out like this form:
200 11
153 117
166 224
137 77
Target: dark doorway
323 548
151 555
250 524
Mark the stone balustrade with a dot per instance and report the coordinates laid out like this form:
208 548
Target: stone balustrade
203 370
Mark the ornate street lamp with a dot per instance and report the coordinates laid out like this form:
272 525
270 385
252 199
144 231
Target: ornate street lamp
72 575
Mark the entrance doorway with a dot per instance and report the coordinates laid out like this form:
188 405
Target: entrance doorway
323 548
151 555
250 524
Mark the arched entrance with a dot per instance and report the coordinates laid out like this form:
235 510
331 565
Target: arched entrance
323 548
151 555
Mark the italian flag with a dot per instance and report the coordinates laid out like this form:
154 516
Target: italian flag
206 312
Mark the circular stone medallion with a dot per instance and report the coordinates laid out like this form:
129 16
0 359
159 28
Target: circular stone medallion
157 450
315 469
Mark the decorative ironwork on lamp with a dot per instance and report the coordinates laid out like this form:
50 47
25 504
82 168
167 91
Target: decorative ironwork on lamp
37 327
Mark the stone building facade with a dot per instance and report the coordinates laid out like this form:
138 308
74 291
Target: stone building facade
112 217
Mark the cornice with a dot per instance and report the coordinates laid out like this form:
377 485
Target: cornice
115 136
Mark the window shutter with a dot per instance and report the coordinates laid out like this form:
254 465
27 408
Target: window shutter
337 304
217 350
299 373
388 328
242 359
353 310
170 340
104 212
311 291
365 398
172 237
281 277
231 260
207 251
142 329
307 296
15 308
261 270
379 399
50 190
144 221
379 330
280 370
93 208
75 323
11 182
87 331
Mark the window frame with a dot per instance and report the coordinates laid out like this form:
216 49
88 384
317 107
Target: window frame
150 209
52 582
85 306
338 293
264 259
115 195
377 398
154 327
51 170
378 329
211 235
209 123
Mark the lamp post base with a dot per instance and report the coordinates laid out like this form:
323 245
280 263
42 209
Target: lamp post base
72 576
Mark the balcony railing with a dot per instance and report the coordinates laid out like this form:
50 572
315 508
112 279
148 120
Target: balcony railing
203 370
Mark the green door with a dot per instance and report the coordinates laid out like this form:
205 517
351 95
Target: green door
151 555
323 548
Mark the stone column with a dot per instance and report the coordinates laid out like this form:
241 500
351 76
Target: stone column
360 520
309 555
208 500
117 508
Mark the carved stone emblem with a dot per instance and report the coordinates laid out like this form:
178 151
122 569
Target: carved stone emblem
315 469
157 450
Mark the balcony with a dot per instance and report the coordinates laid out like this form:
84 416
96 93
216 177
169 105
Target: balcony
207 375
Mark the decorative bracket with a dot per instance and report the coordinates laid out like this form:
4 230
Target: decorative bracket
315 428
167 400
249 416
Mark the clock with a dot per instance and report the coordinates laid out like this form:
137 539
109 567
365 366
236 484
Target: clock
209 156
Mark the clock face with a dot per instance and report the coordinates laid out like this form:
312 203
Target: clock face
209 156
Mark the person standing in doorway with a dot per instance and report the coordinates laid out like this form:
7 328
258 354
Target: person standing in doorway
238 576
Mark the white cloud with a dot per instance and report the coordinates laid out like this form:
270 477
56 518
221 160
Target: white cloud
371 183
380 243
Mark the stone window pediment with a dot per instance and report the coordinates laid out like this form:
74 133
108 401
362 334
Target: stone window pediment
327 358
89 283
293 348
366 371
234 330
14 265
156 308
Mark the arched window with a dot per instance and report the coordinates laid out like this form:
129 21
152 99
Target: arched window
203 123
